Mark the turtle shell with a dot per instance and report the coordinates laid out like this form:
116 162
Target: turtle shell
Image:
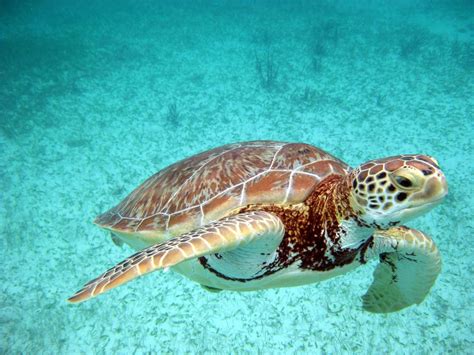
212 184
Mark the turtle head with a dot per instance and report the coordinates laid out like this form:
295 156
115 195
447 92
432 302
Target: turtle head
387 192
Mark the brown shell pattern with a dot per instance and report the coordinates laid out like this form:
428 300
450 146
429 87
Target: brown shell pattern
209 185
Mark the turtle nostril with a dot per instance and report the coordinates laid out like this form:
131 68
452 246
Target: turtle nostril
401 196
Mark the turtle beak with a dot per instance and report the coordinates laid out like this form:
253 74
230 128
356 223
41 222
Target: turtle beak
434 191
437 188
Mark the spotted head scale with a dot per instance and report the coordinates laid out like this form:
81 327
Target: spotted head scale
390 191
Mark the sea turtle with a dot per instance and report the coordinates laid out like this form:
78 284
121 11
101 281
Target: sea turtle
264 214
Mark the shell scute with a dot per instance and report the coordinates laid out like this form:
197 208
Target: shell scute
155 222
221 172
179 222
268 187
300 191
228 200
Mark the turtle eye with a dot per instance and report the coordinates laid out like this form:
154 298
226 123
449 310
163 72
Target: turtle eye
403 181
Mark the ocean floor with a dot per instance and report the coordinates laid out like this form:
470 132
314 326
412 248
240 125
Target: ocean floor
95 99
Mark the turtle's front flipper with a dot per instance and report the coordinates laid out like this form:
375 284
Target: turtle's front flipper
409 265
217 237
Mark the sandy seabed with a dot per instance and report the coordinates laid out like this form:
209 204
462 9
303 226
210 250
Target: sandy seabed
93 100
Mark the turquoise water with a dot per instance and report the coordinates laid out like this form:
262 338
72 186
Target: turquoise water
96 98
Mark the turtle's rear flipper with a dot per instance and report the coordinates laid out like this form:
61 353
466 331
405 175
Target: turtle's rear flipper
211 289
409 265
117 241
262 229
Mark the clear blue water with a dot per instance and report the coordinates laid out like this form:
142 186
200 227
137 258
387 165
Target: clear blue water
96 98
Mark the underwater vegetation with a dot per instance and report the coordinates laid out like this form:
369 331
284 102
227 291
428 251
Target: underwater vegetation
267 69
463 54
172 115
412 41
323 38
264 54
